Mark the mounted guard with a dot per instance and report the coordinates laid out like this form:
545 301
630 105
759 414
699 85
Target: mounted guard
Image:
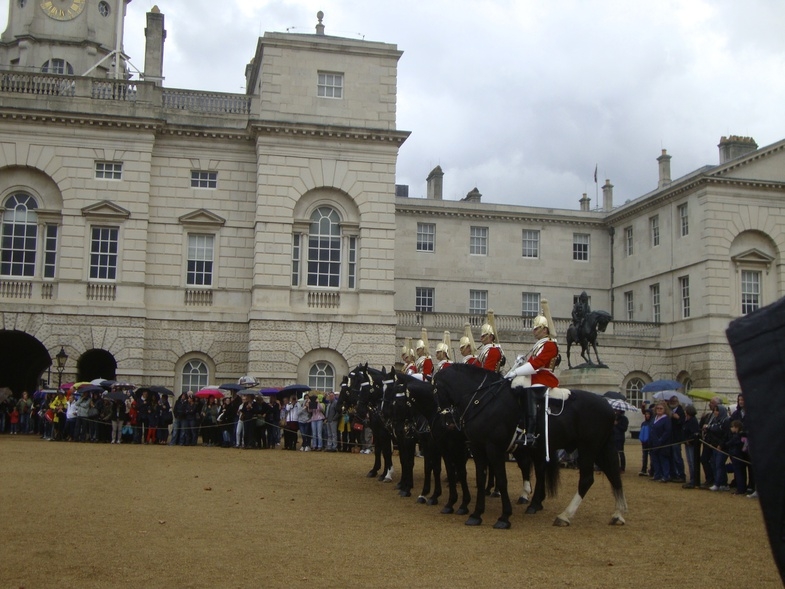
490 355
533 374
443 353
407 357
423 362
467 346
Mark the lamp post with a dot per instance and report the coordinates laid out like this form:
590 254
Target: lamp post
61 358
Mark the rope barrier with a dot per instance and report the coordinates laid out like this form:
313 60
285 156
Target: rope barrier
701 441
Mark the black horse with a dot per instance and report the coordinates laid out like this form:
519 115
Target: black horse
587 335
366 387
486 410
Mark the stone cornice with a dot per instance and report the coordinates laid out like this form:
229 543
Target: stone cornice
80 119
283 128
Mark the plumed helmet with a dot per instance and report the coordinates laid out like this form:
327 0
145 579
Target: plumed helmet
422 343
444 345
539 321
468 338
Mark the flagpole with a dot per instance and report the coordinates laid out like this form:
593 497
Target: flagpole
596 189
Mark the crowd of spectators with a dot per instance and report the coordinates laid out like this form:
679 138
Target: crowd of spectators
243 419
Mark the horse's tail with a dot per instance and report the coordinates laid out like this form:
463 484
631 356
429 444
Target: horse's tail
552 470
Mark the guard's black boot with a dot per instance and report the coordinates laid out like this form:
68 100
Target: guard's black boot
525 432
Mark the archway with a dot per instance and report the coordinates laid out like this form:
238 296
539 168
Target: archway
96 364
23 361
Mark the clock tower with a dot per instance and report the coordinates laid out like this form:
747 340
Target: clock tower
63 36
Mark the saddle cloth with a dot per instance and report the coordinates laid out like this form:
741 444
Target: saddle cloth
554 393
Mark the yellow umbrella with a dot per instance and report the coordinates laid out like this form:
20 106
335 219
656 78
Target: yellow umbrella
705 395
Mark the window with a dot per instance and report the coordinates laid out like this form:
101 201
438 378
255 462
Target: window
324 248
20 236
57 66
321 377
104 9
654 291
103 253
633 392
628 241
684 222
330 85
423 299
684 290
478 302
580 247
531 243
352 274
750 291
201 179
50 251
108 170
426 235
654 229
530 304
200 260
478 241
296 257
629 305
195 376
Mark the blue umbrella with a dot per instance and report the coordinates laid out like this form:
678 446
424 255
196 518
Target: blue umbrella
661 385
231 386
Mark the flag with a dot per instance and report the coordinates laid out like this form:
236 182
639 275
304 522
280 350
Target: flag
595 173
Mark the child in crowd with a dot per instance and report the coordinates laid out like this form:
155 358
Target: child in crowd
14 419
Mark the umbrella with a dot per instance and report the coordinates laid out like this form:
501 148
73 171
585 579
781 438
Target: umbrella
231 387
5 392
620 405
704 395
666 395
90 389
116 395
661 385
247 381
207 393
295 389
160 390
615 395
269 391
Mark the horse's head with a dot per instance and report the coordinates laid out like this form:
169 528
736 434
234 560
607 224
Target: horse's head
603 318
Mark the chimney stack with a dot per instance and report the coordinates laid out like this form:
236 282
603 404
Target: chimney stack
585 203
155 35
473 195
607 195
735 146
435 182
665 169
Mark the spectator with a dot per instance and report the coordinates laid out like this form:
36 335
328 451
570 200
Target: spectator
13 418
165 419
715 433
660 440
25 407
191 429
118 419
736 447
620 425
677 437
304 422
153 415
707 451
645 439
178 419
691 434
740 414
331 417
316 409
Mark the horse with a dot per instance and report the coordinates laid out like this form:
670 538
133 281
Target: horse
587 335
485 408
366 386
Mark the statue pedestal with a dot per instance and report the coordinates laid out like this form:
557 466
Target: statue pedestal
594 379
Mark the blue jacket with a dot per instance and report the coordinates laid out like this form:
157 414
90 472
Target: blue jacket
660 431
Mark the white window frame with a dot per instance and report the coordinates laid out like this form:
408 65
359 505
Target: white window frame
530 304
684 220
321 376
201 253
21 220
684 296
104 261
628 241
478 241
324 258
629 305
329 85
194 376
204 179
654 230
750 289
581 247
108 170
424 299
478 302
530 243
654 291
633 391
426 237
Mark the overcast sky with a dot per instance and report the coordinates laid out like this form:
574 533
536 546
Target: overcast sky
522 98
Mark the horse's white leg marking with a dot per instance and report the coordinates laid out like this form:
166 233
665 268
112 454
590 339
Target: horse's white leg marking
568 513
527 490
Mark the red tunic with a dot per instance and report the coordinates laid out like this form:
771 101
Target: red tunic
424 365
542 358
490 356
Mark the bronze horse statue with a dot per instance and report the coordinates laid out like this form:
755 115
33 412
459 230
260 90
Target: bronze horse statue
587 335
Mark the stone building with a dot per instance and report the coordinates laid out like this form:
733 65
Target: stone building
176 237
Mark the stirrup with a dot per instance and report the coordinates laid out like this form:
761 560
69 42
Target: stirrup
523 438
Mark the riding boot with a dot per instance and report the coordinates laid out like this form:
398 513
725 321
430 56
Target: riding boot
526 430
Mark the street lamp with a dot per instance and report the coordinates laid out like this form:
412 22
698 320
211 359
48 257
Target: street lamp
61 358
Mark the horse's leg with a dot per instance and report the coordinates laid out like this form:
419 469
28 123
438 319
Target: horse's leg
408 448
586 460
385 441
498 464
539 486
427 470
608 462
452 481
481 473
569 345
594 345
436 469
524 464
377 463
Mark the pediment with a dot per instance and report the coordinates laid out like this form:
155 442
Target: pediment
752 257
107 210
202 218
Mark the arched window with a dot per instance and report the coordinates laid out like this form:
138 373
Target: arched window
324 248
20 236
633 391
321 377
57 66
195 376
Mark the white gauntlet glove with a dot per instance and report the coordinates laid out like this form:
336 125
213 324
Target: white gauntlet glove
525 370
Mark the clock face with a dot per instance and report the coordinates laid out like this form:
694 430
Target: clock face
63 9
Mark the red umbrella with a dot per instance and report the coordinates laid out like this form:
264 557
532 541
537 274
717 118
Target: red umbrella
207 393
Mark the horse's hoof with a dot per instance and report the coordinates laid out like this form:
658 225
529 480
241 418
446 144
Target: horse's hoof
371 474
398 486
522 501
617 521
532 509
421 499
462 511
447 510
474 521
432 501
403 493
501 525
561 523
496 494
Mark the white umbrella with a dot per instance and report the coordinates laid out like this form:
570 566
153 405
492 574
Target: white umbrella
666 396
620 405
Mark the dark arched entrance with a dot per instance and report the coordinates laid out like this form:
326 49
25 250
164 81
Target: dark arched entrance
96 364
23 361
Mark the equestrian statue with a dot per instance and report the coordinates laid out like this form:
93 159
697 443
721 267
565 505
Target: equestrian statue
583 330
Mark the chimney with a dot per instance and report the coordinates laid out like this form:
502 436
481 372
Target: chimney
665 169
435 182
735 146
607 196
319 25
472 196
585 203
155 35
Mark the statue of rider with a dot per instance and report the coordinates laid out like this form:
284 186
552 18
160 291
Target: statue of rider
580 311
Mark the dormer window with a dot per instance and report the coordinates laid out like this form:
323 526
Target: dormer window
57 66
